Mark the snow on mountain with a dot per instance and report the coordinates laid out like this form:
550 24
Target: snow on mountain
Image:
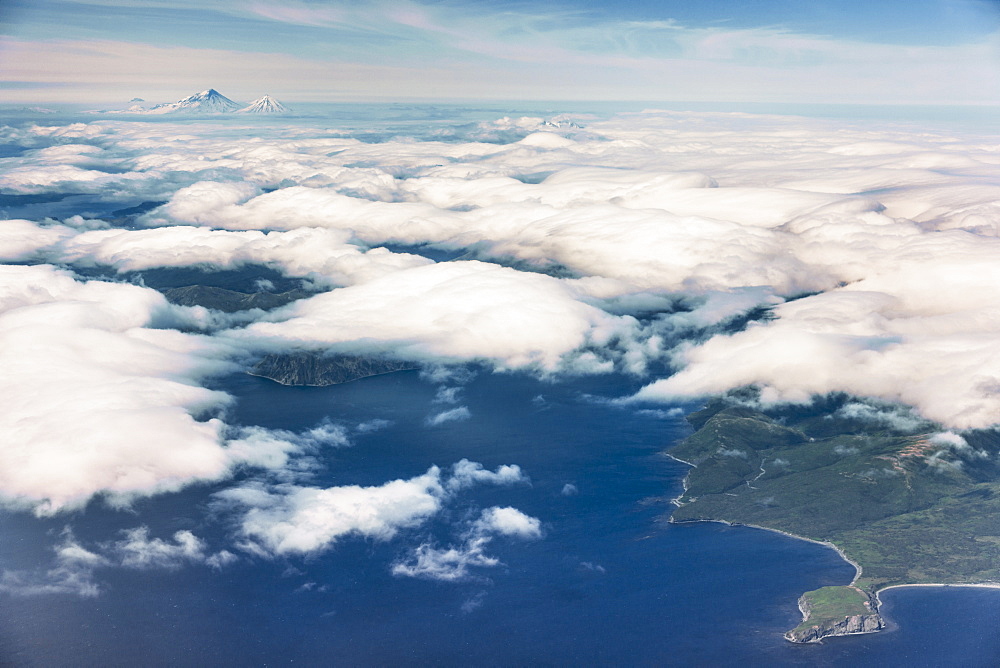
208 101
264 105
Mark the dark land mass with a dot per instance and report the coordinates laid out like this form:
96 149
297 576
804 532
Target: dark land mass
905 508
300 368
238 279
315 369
231 301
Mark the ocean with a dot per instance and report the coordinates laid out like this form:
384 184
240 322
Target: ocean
610 583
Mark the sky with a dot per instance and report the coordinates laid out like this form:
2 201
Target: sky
770 51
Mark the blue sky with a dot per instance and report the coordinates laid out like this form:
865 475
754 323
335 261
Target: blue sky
917 51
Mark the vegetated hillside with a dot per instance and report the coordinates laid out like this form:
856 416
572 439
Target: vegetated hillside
907 507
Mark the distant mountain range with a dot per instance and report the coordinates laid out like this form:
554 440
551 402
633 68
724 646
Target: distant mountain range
212 101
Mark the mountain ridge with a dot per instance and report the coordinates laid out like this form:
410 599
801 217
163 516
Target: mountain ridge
209 101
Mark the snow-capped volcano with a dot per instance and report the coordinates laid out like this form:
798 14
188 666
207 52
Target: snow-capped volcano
208 101
264 105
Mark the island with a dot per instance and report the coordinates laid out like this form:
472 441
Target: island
904 501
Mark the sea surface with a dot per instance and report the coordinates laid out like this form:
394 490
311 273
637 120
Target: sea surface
611 582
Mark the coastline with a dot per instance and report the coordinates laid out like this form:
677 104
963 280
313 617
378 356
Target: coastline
843 555
976 585
858 570
873 594
676 501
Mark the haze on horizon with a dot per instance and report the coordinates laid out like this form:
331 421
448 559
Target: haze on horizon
838 51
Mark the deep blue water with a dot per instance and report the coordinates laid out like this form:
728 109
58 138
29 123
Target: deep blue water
611 583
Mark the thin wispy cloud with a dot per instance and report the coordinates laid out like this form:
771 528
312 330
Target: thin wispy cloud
340 51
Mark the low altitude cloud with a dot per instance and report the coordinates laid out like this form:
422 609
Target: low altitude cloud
451 415
922 331
104 398
321 254
455 563
580 251
72 572
508 522
74 566
98 401
138 550
21 240
457 311
293 519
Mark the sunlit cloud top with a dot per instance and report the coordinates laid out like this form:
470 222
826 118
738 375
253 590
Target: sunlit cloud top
927 51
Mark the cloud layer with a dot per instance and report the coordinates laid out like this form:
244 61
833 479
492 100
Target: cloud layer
801 256
98 399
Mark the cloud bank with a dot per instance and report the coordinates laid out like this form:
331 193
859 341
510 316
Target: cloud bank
801 256
99 399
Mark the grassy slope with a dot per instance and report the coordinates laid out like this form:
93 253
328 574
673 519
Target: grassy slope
831 604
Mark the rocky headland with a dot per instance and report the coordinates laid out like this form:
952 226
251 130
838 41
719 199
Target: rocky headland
835 611
906 507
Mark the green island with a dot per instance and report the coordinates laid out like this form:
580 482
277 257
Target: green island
899 499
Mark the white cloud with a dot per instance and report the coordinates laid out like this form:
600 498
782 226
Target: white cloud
740 454
508 522
465 474
920 331
454 563
221 559
322 254
457 414
447 395
292 519
20 240
105 399
473 603
264 448
372 425
305 519
448 564
74 566
452 311
99 402
72 573
138 550
949 440
896 417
